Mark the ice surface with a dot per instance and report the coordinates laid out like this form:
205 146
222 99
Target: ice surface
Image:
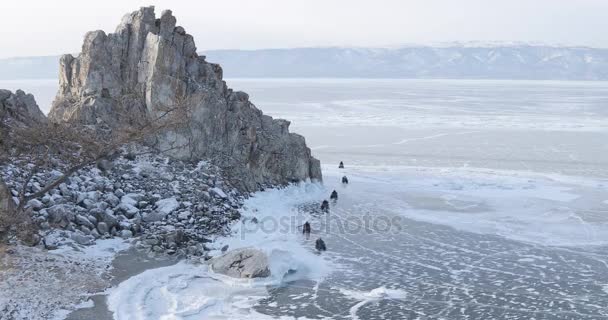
547 210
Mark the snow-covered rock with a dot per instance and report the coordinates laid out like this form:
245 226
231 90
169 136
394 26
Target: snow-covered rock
184 215
101 205
130 199
103 228
126 234
111 199
242 263
35 204
166 206
218 193
81 220
82 239
128 209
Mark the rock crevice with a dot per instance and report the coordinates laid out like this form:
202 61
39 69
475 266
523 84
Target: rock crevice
149 64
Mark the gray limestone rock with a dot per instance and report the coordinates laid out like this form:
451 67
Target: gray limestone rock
149 64
83 221
242 263
35 204
102 227
20 108
108 218
82 238
126 234
61 213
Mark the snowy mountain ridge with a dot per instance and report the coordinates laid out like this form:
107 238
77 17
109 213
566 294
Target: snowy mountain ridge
466 60
462 61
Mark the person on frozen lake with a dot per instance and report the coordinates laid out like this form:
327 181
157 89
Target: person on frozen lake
320 245
306 229
334 195
325 206
344 180
341 166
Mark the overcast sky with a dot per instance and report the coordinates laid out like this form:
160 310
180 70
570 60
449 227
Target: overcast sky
49 27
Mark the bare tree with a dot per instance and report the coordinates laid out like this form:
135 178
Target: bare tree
67 148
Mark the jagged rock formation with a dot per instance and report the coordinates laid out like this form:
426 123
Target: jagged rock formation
149 65
19 108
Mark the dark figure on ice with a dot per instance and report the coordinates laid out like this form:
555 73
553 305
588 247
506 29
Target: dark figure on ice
325 206
306 229
334 195
320 245
341 166
344 180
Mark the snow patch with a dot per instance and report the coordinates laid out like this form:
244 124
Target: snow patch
374 295
104 250
547 209
186 291
219 192
166 206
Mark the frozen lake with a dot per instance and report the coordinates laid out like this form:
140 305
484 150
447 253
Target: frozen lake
496 193
558 127
467 200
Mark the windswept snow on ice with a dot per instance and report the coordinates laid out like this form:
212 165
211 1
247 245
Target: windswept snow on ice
104 250
371 296
40 284
185 291
278 231
531 207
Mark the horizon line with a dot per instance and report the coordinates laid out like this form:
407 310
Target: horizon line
438 45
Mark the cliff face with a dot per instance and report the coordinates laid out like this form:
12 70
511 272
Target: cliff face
19 108
149 65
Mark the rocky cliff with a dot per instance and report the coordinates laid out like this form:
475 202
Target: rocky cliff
16 110
19 108
149 65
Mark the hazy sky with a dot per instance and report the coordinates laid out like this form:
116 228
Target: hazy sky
49 27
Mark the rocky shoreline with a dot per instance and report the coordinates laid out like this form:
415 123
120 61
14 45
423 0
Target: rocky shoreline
145 143
138 199
174 207
160 208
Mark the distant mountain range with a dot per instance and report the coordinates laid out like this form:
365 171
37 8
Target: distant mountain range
513 61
